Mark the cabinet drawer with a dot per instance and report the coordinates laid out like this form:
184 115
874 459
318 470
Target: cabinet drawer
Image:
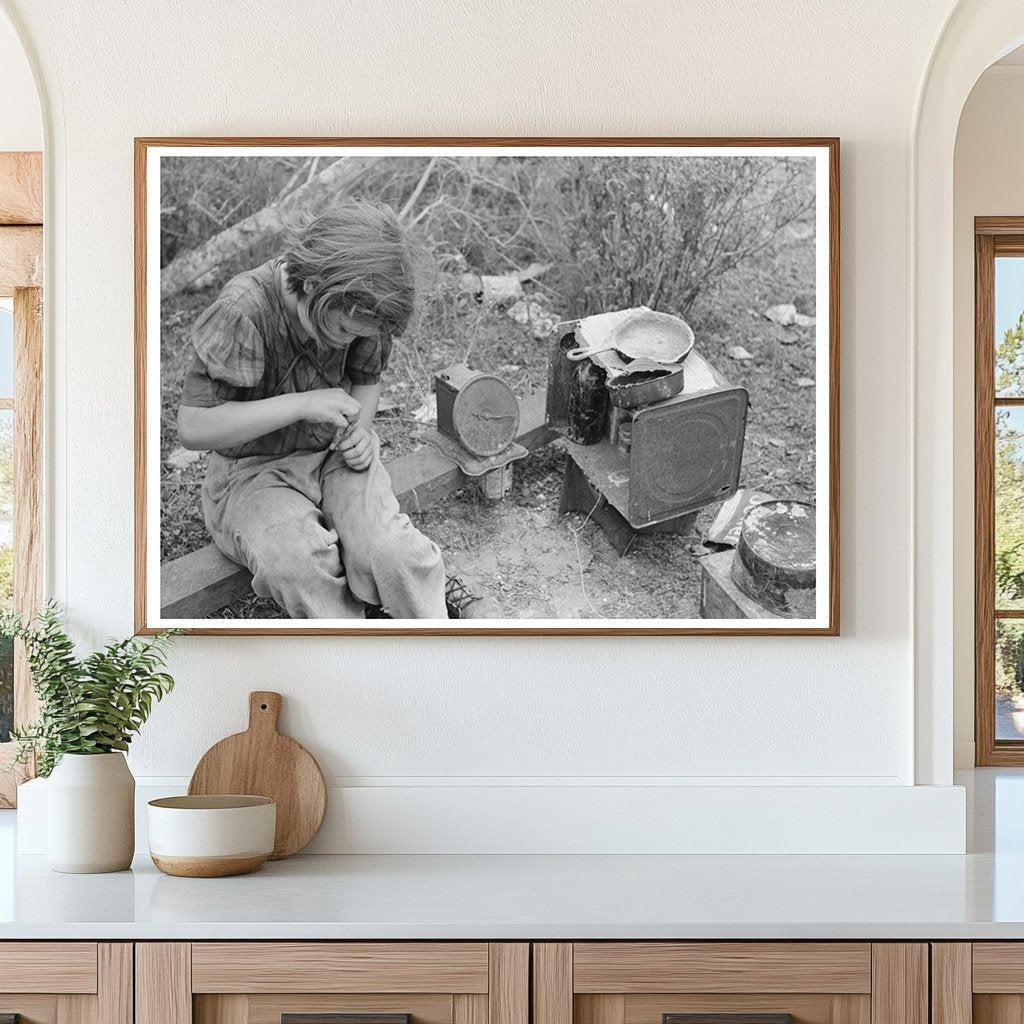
340 967
730 983
332 983
998 968
66 982
633 967
65 967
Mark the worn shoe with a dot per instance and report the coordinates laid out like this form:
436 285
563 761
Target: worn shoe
466 599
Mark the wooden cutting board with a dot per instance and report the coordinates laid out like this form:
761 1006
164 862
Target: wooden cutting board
262 762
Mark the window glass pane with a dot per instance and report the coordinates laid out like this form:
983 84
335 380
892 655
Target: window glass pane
6 567
1009 323
6 351
1009 679
1009 508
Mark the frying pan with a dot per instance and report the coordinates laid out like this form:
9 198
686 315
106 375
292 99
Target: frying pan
644 335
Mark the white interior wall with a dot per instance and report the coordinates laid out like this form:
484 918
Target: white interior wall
430 716
987 182
21 126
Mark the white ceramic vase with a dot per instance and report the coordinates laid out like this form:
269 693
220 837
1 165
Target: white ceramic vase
90 814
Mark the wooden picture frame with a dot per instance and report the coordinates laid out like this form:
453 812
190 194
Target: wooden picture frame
993 237
181 592
21 278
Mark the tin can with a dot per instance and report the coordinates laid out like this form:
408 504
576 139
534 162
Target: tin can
497 483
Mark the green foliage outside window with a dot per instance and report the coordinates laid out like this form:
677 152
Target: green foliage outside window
1009 509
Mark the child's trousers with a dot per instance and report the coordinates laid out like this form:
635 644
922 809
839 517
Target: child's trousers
320 538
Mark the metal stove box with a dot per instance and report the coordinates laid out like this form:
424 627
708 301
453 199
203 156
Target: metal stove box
685 452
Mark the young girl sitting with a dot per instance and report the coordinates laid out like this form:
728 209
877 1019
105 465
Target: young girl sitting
283 386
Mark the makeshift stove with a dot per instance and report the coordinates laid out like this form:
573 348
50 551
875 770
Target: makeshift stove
648 444
477 422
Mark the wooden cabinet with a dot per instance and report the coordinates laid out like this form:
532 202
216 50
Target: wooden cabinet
978 983
66 982
307 982
494 983
757 982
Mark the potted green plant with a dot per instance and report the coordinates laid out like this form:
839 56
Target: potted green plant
90 708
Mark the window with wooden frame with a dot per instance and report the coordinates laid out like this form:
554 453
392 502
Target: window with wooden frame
999 490
21 364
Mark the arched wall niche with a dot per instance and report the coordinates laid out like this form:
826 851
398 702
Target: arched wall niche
976 34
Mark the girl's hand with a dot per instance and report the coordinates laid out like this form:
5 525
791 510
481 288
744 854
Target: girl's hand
356 447
333 406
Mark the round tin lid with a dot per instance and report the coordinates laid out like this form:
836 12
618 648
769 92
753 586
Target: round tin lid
485 415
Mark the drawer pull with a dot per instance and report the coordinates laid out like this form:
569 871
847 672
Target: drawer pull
339 1018
727 1018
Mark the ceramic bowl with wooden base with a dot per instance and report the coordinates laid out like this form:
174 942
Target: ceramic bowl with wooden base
211 836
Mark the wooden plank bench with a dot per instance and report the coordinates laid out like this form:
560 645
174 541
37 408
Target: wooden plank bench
197 584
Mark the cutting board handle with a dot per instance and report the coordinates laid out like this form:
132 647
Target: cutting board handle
264 710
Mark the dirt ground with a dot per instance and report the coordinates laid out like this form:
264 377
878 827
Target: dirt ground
538 564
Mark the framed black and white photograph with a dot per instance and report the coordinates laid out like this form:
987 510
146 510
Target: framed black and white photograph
487 386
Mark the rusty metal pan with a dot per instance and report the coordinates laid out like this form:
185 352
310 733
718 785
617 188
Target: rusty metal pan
632 390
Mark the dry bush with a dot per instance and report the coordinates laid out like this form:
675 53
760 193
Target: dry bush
660 232
621 231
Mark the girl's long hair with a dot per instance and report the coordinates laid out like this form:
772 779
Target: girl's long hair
356 260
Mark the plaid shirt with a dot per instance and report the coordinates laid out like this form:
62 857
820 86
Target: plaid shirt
246 347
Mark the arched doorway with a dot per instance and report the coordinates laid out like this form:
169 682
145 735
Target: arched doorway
977 33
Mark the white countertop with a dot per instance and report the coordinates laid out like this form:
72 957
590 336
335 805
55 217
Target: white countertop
977 896
496 897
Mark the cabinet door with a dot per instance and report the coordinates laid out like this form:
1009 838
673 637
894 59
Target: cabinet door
730 983
332 983
65 983
980 982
